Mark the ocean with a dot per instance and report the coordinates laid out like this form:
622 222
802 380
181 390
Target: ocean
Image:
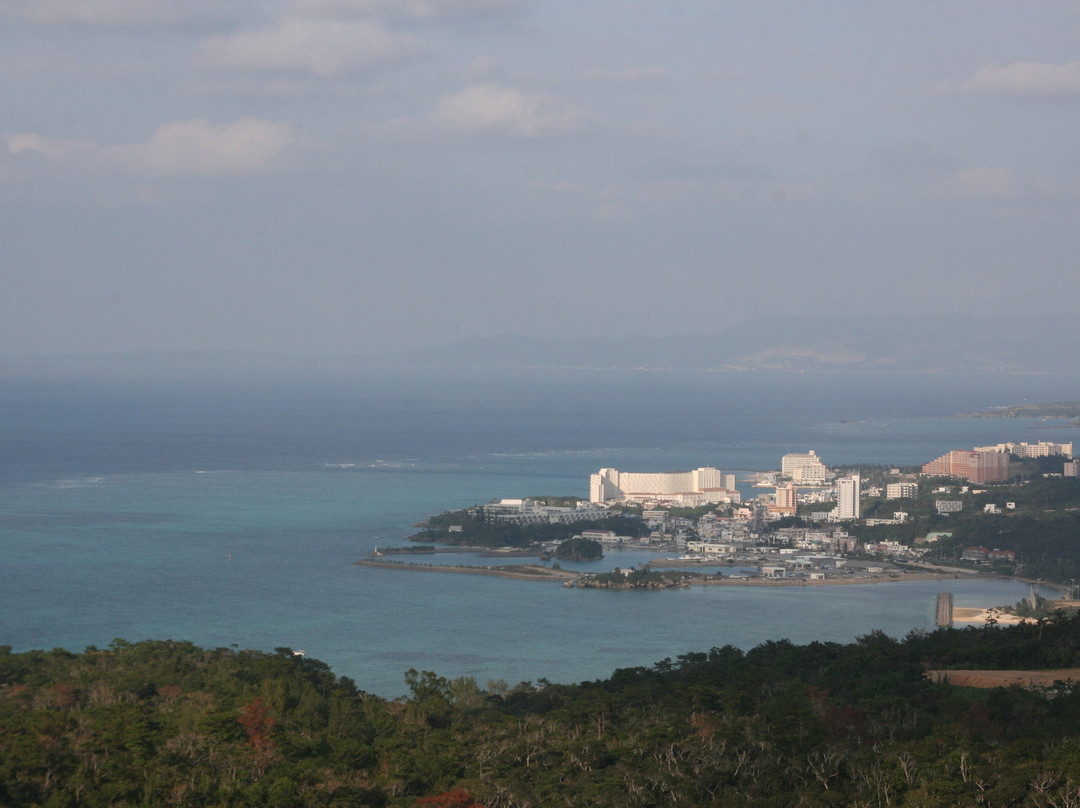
228 509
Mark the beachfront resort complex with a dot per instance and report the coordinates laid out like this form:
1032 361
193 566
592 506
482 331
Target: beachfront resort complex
702 515
804 478
704 486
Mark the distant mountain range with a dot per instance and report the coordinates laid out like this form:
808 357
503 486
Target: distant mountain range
927 344
892 343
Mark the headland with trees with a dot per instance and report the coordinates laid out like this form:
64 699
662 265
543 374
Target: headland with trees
878 721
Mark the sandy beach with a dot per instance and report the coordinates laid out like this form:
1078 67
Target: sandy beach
969 616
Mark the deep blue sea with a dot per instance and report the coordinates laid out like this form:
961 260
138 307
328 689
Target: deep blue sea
229 509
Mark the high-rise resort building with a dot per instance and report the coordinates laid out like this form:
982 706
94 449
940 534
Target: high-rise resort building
803 469
1043 448
847 498
975 466
690 488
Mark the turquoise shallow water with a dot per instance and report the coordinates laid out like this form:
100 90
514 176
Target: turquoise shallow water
225 520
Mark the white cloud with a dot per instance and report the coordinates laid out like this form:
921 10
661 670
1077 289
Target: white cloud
247 146
180 148
489 108
323 48
414 9
110 13
1020 79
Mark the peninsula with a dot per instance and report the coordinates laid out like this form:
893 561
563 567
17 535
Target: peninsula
1056 409
1012 509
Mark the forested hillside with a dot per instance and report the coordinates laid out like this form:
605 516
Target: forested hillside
168 723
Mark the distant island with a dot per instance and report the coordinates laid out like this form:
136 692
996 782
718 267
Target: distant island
888 344
892 344
1057 409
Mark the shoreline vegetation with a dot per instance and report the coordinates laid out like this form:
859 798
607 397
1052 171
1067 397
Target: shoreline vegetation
948 717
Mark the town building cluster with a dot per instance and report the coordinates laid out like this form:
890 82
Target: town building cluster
803 480
816 547
990 464
711 486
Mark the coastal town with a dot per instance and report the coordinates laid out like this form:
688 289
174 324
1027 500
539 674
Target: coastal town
804 524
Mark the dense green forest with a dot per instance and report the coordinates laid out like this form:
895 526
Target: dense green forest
826 724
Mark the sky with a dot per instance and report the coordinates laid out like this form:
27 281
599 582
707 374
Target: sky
354 176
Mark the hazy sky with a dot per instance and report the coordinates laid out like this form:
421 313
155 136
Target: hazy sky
340 176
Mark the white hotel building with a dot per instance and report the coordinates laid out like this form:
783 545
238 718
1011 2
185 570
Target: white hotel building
803 469
1043 448
690 488
848 491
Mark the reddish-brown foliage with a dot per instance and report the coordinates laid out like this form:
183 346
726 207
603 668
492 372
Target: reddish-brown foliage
258 722
458 798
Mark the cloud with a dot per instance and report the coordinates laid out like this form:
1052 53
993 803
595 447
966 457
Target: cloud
323 48
180 148
1020 79
247 146
415 9
489 108
110 13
